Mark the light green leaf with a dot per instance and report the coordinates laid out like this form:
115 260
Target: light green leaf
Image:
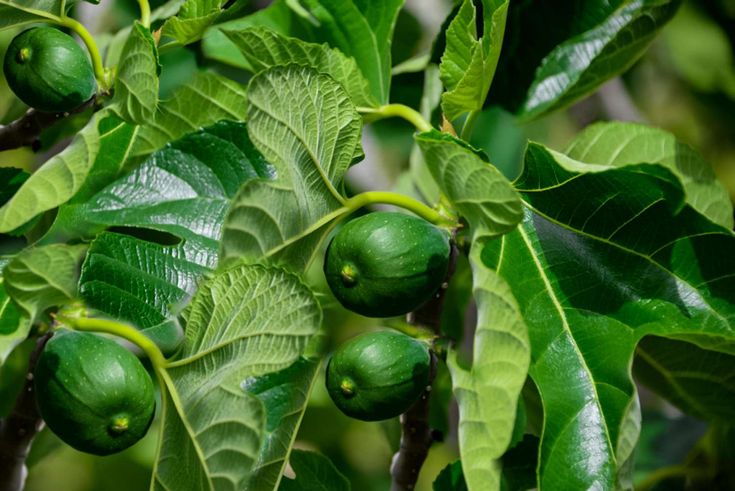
469 61
136 84
477 190
619 144
14 323
194 17
42 277
207 99
57 181
283 221
264 48
245 322
314 472
277 17
488 392
361 29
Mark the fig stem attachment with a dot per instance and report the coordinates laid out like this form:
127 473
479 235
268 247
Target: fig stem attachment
400 200
100 73
145 13
371 114
121 330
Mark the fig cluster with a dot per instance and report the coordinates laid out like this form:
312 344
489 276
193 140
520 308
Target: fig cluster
383 264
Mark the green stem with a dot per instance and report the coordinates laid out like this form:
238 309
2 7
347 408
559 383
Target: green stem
371 114
121 330
145 13
469 125
94 52
405 202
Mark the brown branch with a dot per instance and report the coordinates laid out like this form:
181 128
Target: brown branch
19 428
26 130
416 434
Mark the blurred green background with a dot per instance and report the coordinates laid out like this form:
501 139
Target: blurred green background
684 84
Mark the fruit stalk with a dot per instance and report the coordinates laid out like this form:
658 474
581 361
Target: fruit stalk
416 434
19 428
94 53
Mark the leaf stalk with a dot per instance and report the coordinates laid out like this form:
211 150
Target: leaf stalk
371 114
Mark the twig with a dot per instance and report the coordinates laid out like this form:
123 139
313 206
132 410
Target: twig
416 434
25 131
19 428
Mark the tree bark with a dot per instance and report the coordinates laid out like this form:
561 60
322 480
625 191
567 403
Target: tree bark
416 433
19 428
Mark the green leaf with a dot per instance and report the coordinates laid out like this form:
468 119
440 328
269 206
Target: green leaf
619 144
57 181
699 382
11 180
361 29
488 392
245 322
207 99
277 17
194 17
283 221
284 395
556 53
136 84
478 190
450 478
264 48
605 256
16 12
469 61
14 323
42 277
314 472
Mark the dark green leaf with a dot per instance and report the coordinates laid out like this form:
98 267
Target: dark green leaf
450 478
11 180
14 323
558 52
519 465
314 472
606 255
700 382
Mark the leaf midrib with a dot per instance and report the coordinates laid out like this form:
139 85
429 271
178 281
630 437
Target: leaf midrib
565 325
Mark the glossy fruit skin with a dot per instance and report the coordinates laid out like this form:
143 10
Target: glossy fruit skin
378 375
92 393
385 263
48 70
